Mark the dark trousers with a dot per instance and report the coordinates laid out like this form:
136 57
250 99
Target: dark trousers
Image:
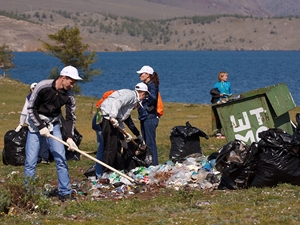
148 128
110 137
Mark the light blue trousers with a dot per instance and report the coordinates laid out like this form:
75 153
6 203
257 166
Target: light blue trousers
34 140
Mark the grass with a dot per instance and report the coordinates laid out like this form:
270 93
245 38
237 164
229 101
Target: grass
277 205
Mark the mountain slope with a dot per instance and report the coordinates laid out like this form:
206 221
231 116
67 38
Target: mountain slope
209 7
160 9
104 33
282 8
104 27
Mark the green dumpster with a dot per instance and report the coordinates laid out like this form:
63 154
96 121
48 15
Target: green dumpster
245 116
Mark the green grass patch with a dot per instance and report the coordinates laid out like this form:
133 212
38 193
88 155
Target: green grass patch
277 205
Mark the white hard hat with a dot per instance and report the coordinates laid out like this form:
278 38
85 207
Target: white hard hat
32 86
70 71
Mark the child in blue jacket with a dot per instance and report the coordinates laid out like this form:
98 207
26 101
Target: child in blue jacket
224 88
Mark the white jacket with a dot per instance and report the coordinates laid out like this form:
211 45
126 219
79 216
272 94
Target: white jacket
119 104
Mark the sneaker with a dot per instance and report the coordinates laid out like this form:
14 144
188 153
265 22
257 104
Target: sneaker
218 135
69 197
45 162
53 192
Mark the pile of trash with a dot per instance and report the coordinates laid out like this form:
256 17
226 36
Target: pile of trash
195 172
187 168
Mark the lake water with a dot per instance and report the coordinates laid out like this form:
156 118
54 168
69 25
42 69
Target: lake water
185 76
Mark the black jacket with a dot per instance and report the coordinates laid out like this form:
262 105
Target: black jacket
46 100
215 95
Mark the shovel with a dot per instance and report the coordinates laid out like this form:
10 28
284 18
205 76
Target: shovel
96 160
125 133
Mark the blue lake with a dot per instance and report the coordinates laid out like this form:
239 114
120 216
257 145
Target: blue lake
185 76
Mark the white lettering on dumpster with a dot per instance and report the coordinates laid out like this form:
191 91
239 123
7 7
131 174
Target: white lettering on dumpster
244 124
246 138
257 112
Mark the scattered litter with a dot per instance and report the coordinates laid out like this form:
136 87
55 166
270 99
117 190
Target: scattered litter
201 204
195 171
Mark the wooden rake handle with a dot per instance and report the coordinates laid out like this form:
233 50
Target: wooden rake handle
94 159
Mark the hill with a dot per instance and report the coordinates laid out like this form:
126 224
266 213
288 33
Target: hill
104 33
160 9
113 26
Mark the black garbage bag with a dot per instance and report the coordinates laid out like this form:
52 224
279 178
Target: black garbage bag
90 172
14 147
296 130
15 142
185 141
127 159
134 157
70 155
278 160
73 155
237 162
77 138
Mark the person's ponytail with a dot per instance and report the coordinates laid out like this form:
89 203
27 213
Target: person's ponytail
155 78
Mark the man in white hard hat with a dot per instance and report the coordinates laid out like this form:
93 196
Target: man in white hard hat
44 113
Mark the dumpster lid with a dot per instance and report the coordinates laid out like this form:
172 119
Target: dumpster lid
278 96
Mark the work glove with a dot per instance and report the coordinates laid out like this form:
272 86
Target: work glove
45 132
140 137
72 145
142 144
128 136
18 128
124 144
114 122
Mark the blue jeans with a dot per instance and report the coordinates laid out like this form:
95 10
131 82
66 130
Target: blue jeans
34 140
100 148
44 151
148 128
